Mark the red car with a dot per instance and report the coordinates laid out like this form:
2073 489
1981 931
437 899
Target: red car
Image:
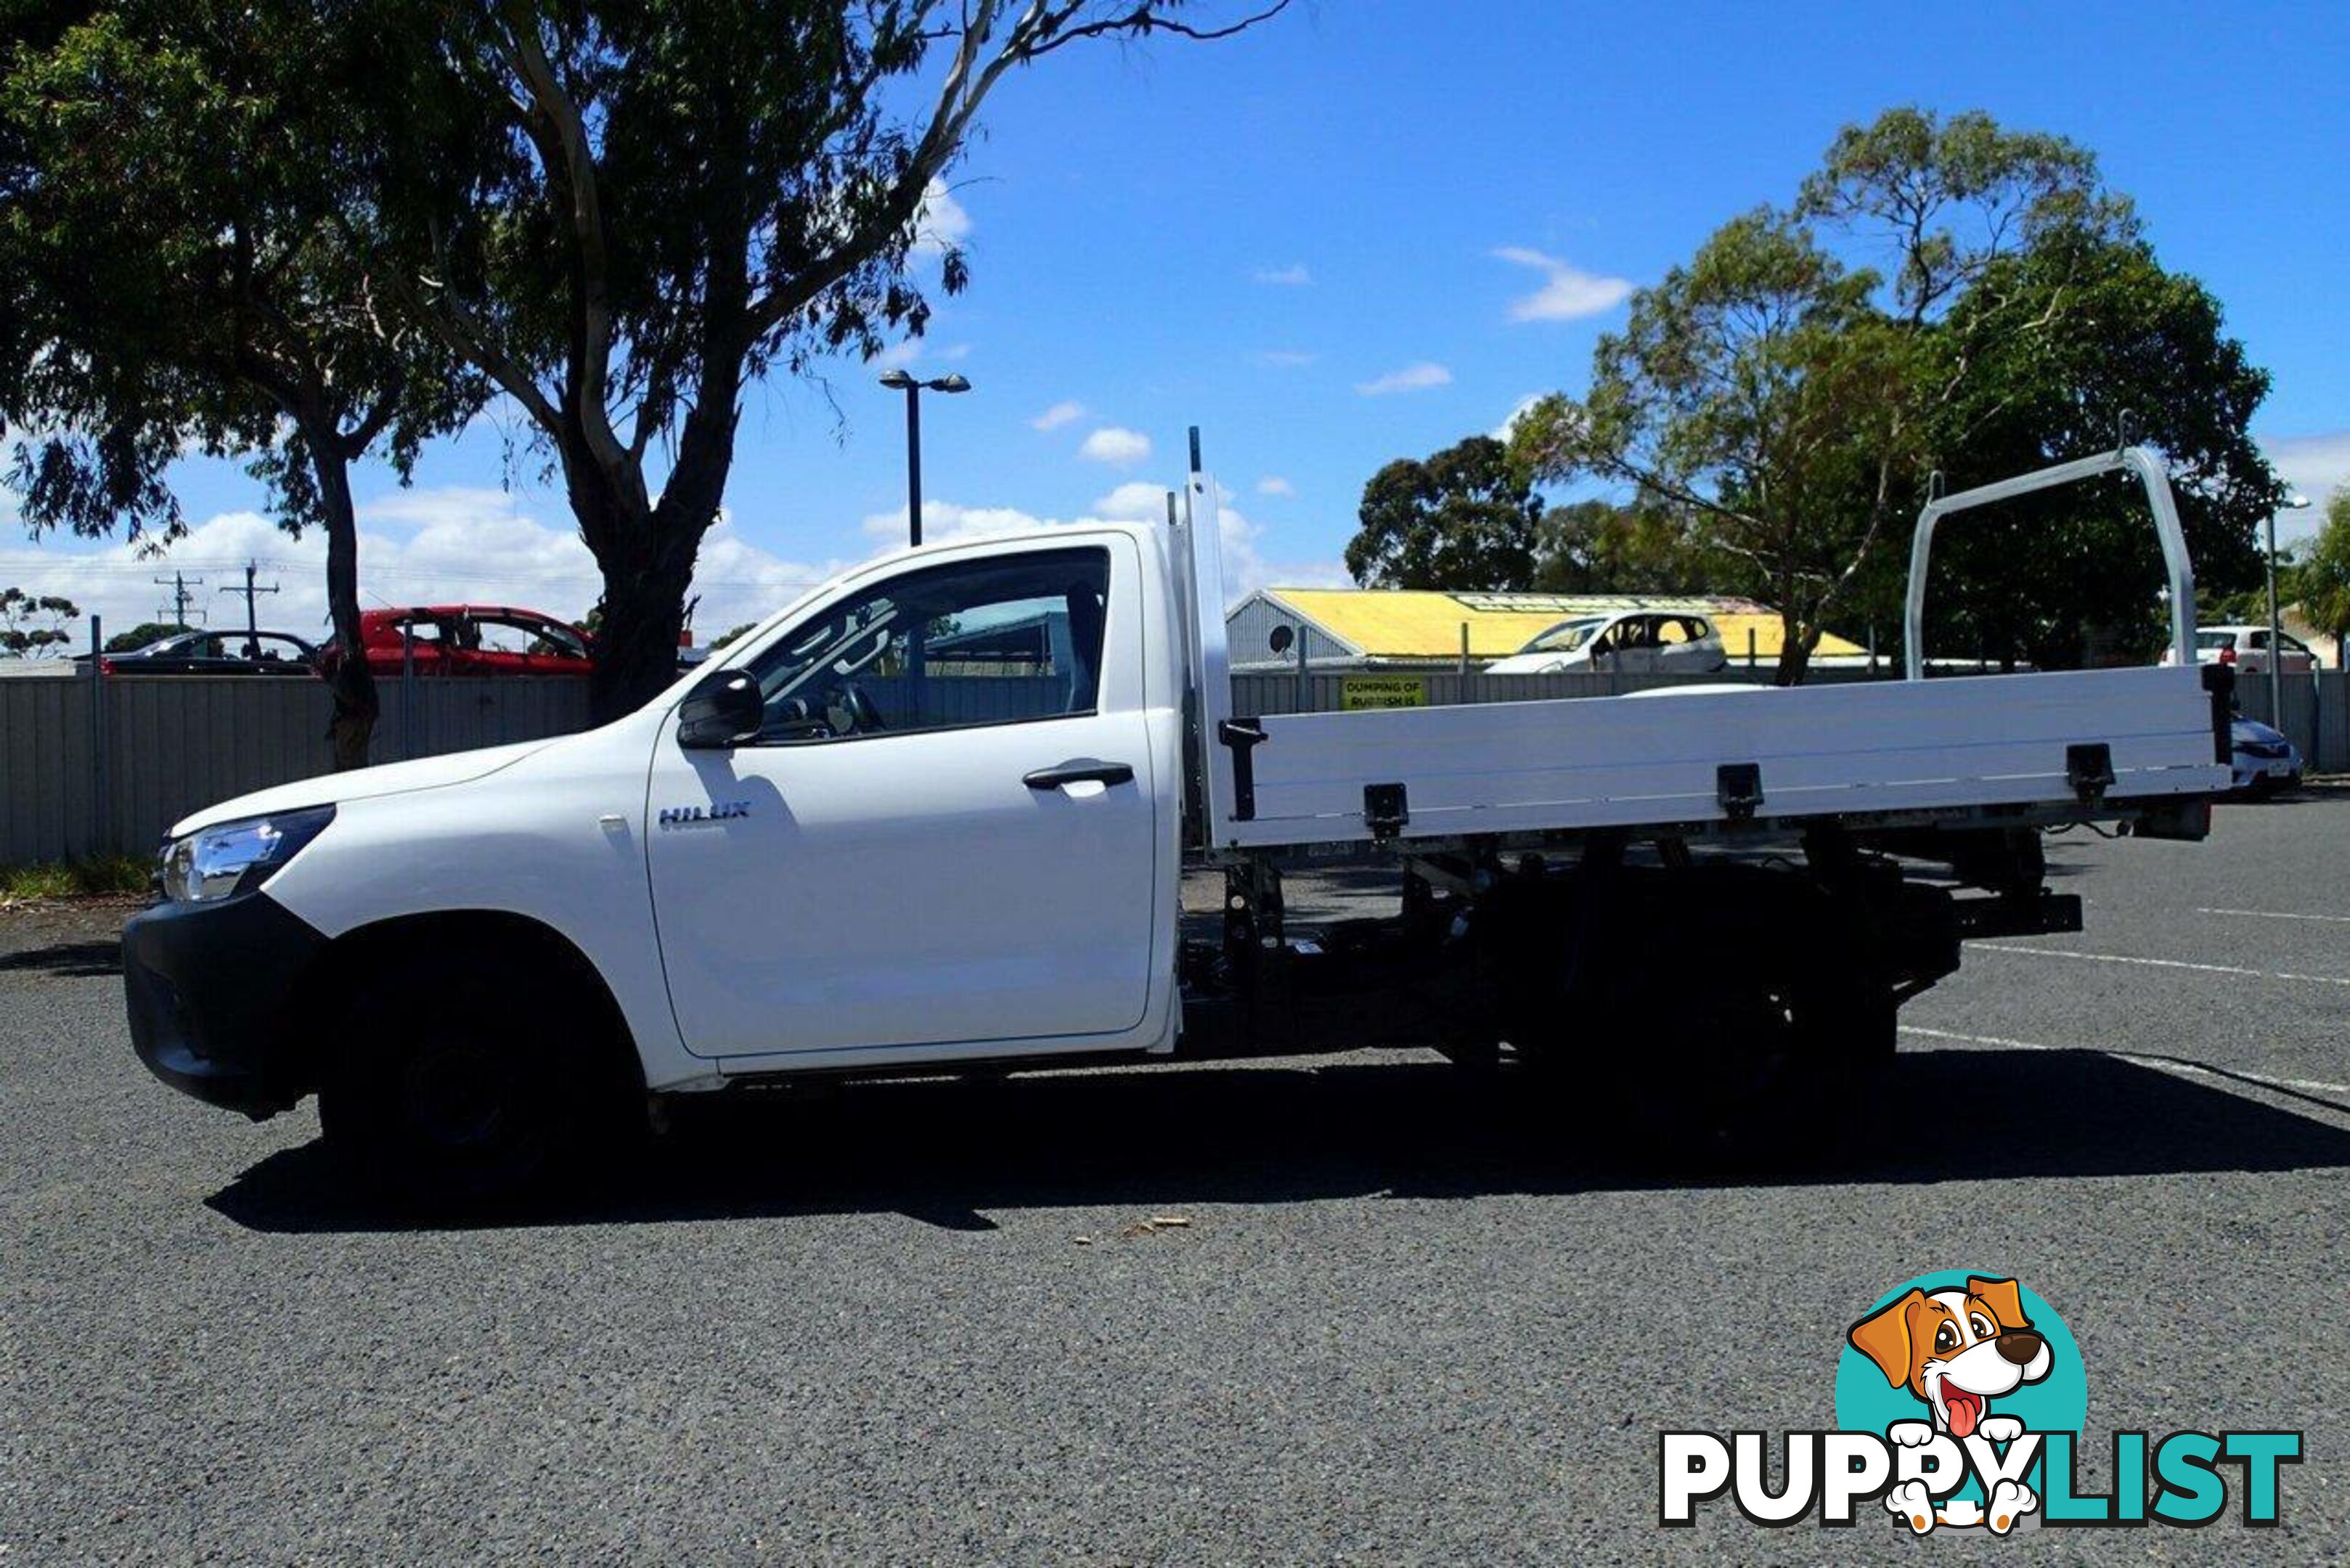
468 640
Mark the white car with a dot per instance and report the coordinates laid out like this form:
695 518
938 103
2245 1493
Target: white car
2247 648
1636 642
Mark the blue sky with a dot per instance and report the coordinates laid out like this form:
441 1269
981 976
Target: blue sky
1367 229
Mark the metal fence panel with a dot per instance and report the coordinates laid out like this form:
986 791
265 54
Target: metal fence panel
2314 720
174 744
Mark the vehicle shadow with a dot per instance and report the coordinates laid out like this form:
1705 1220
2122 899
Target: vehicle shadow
67 960
948 1151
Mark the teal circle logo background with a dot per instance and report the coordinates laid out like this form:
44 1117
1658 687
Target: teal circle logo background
2057 1403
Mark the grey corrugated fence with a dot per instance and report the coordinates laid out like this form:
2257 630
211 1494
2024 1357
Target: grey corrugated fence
174 744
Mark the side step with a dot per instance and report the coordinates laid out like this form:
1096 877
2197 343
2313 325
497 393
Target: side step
2039 914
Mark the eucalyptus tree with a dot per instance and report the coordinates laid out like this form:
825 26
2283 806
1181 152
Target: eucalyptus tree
623 215
1463 518
1789 400
185 232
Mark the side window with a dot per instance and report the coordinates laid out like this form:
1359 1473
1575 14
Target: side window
2258 639
995 641
1672 629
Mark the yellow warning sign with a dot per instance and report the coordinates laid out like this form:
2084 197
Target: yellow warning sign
1383 691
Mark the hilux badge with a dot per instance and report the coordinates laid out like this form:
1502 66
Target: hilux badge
685 815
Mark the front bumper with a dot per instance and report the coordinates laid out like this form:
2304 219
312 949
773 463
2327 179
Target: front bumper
208 987
2252 771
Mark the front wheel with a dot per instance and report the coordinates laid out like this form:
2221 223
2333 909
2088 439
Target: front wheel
466 1099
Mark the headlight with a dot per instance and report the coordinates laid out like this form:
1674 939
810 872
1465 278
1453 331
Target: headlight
235 857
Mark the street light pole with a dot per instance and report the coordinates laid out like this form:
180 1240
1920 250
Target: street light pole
2276 622
914 391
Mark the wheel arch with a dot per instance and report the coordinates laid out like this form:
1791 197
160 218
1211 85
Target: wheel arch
541 958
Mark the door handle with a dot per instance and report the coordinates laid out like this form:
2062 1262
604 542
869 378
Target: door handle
1085 770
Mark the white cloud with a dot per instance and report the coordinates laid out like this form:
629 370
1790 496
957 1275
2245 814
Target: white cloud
1411 379
1116 446
1059 414
945 521
445 545
1136 501
1568 293
1518 410
1294 275
2315 466
1273 485
1286 358
942 224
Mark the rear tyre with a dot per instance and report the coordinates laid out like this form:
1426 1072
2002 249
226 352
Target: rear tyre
455 1088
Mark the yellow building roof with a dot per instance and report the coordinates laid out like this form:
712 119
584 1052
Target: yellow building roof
1408 623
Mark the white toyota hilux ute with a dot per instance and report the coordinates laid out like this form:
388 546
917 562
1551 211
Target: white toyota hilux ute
938 814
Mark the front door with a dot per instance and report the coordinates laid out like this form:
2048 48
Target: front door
947 831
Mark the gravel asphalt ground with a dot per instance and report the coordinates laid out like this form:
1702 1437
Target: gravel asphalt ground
1406 1319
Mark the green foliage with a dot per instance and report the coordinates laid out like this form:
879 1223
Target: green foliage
732 635
1464 518
188 223
105 874
140 635
1759 394
1949 197
31 625
2321 578
1787 410
1596 546
2063 342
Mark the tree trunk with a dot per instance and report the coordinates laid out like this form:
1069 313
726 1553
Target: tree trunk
1797 642
647 553
350 681
644 612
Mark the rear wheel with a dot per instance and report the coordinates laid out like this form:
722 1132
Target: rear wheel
454 1086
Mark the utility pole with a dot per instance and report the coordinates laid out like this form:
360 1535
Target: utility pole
179 585
252 615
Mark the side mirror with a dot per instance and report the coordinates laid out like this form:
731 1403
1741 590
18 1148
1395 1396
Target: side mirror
721 714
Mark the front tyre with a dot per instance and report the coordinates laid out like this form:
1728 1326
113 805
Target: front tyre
451 1090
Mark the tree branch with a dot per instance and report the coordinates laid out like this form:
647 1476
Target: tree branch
592 318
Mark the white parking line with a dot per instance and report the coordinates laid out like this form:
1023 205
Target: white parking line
2160 1064
2279 915
2163 963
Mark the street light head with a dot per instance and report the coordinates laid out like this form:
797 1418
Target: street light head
948 384
896 380
2296 502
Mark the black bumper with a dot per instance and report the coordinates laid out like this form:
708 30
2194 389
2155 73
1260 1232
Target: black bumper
209 987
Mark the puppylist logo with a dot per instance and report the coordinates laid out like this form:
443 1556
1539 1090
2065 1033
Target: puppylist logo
1960 1400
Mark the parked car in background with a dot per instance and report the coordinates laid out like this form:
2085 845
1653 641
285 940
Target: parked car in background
212 653
2247 648
2265 761
1632 642
469 639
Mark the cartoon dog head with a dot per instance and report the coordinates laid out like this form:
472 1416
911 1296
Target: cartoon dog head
1956 1349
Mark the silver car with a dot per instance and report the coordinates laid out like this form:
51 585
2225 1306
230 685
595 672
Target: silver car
1630 642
